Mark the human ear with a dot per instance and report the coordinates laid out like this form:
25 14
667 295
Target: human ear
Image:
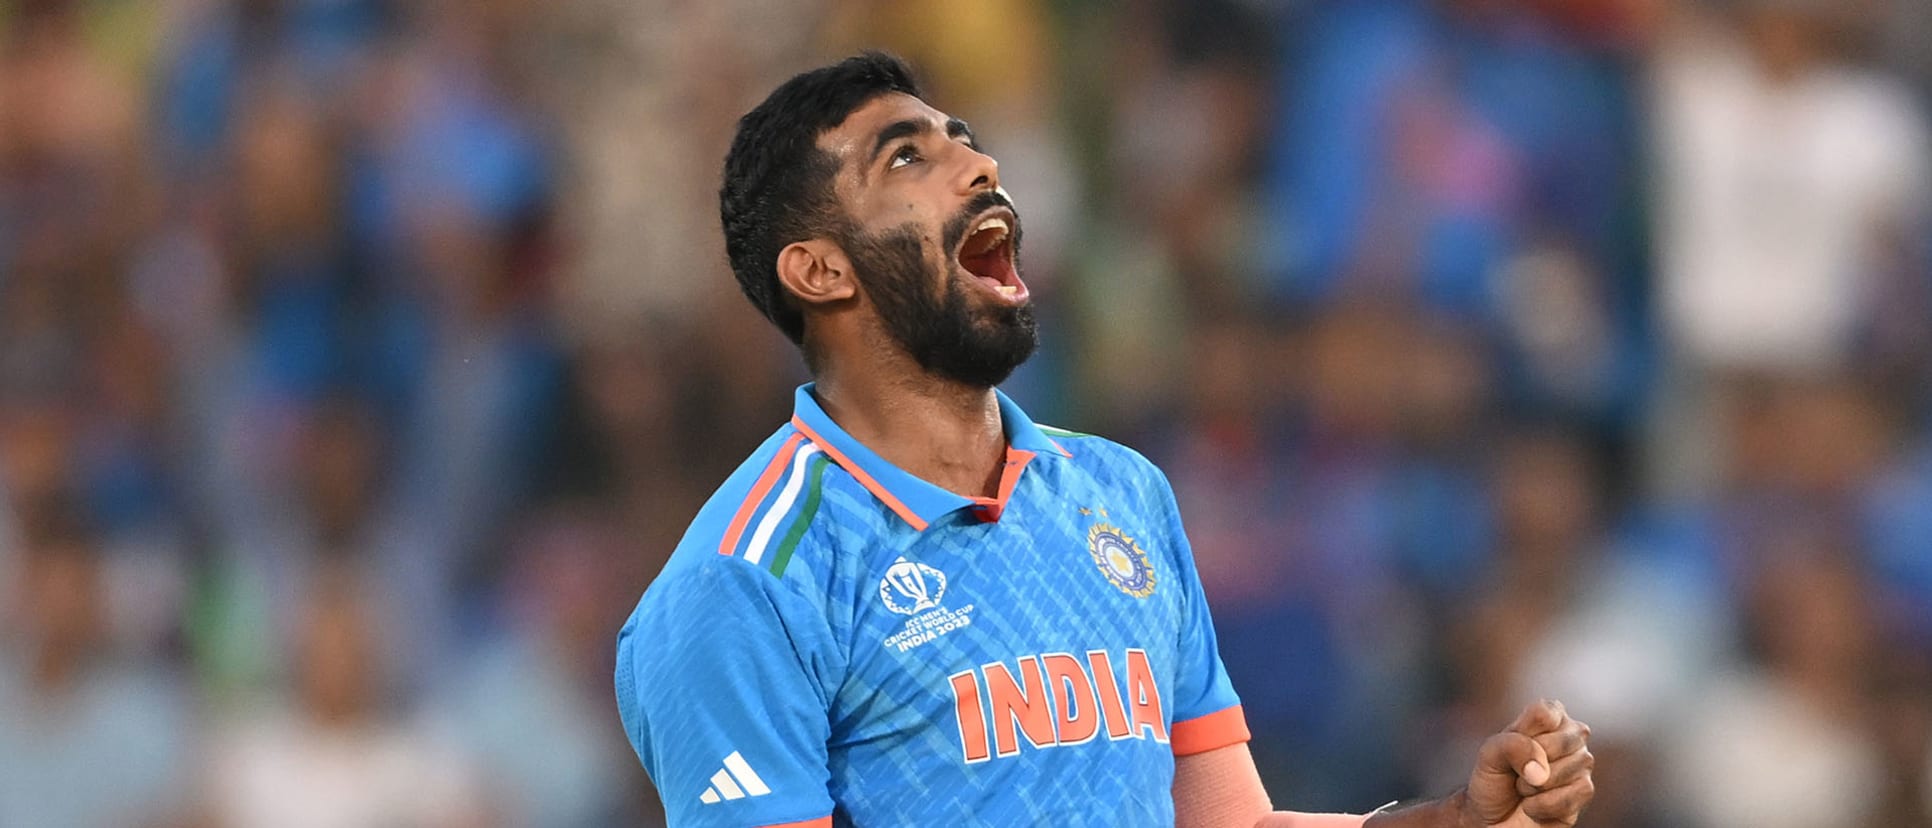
816 271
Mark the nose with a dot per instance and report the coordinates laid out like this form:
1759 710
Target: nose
981 171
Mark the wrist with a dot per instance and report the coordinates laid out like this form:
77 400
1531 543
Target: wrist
1464 813
1451 811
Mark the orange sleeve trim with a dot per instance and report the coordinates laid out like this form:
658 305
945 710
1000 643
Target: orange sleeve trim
1204 733
821 822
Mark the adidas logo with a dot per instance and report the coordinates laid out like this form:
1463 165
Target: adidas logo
736 780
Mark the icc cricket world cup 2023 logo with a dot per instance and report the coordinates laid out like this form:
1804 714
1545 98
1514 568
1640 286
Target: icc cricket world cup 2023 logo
910 587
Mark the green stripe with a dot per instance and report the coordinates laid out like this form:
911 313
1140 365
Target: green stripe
1061 432
803 521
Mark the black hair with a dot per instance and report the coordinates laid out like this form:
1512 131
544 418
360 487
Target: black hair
777 182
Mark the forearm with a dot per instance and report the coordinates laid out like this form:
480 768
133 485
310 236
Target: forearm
1446 812
1290 819
1440 813
1221 787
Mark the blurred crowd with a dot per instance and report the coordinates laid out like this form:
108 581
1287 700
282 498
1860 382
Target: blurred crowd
362 360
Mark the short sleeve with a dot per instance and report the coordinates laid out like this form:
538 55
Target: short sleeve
723 682
1207 713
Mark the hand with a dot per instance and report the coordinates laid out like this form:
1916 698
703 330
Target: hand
1536 774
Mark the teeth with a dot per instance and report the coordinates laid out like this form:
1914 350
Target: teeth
1008 290
988 235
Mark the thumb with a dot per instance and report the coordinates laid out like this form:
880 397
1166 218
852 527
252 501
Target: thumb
1504 758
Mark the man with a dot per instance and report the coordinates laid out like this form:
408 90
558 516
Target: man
914 606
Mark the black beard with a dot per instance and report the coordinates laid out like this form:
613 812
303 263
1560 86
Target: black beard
940 331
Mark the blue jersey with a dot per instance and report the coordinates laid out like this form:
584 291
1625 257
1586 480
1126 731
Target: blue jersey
836 641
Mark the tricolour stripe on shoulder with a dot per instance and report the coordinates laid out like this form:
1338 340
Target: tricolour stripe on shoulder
794 481
814 491
762 487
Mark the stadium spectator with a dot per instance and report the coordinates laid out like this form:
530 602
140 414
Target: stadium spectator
339 752
545 681
1796 710
88 735
1793 189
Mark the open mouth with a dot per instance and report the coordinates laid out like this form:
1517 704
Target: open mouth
987 254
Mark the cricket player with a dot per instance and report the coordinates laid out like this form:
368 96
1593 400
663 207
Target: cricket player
913 605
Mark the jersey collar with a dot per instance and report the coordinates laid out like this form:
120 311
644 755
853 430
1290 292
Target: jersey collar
920 503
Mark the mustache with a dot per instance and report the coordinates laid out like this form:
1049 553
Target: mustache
959 226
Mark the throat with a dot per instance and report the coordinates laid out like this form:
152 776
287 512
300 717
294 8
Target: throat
952 437
967 476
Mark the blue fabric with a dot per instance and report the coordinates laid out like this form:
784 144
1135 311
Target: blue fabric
811 677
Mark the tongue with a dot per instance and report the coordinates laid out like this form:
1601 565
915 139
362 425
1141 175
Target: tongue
993 273
985 265
992 266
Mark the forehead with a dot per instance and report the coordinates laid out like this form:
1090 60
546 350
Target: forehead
853 138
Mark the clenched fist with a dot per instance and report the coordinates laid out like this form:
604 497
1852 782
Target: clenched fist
1536 774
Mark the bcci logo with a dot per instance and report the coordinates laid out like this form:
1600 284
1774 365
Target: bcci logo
910 588
1121 560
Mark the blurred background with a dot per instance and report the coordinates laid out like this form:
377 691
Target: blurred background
362 360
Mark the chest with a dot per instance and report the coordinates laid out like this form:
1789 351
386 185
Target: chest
1040 629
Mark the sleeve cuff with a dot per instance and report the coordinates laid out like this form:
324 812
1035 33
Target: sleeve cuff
821 822
1201 734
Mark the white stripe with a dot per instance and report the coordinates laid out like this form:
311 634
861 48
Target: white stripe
761 538
746 776
729 788
709 797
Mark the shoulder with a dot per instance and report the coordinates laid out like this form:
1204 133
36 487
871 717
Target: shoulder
1131 489
777 523
764 512
746 584
1108 463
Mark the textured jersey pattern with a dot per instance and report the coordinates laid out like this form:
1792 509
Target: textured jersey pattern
1028 670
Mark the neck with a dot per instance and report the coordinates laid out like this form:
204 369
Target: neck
940 431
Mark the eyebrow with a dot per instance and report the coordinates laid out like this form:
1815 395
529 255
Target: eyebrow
917 126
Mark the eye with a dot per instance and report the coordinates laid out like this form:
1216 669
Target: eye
902 156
